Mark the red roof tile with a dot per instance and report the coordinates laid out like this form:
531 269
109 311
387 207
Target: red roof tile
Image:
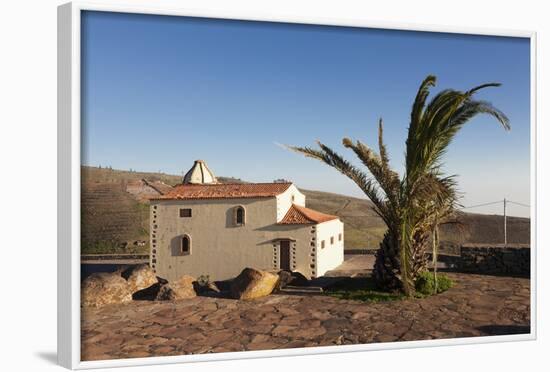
225 190
303 215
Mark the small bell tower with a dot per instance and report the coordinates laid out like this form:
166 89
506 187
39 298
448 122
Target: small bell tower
199 174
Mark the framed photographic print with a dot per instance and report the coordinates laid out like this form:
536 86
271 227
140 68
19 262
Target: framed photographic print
236 186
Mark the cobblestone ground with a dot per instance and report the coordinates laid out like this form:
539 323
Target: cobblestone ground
478 305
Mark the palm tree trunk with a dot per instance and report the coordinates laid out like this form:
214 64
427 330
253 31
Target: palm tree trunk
387 269
420 248
435 253
387 264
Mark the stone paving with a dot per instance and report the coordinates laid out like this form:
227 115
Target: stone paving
478 305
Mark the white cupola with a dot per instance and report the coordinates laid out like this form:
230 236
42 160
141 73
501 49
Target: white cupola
199 174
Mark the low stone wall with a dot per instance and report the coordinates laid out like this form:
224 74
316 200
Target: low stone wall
360 251
496 259
112 257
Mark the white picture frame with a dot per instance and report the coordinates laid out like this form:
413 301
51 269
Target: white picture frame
69 17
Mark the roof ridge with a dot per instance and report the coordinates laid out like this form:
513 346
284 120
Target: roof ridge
300 210
150 184
234 183
306 215
226 190
306 209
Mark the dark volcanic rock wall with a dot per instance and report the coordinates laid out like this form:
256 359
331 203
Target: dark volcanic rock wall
496 259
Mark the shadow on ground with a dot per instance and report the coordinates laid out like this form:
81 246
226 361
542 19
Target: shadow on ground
150 293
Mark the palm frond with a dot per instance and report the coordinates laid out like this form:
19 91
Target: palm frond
382 146
365 183
428 143
482 86
420 101
386 178
472 108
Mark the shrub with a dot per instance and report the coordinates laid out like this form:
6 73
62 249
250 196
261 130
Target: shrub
361 289
426 284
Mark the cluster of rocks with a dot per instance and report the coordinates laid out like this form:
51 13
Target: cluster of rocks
137 282
141 283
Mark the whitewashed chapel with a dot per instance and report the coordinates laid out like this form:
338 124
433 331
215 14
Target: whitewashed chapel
203 227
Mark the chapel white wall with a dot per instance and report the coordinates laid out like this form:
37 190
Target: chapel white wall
332 255
284 201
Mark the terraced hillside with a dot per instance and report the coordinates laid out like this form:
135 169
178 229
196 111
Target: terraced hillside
110 217
113 220
94 175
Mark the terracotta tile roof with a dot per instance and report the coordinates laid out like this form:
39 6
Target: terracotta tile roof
303 215
225 191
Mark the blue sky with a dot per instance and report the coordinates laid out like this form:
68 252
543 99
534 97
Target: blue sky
159 92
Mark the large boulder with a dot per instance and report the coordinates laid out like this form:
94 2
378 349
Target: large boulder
252 283
139 277
179 289
101 289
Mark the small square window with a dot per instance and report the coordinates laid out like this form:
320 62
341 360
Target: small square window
185 212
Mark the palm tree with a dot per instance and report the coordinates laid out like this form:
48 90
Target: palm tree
413 205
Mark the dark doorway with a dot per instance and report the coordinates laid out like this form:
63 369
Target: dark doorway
285 255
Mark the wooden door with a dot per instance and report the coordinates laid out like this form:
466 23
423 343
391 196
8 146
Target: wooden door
285 255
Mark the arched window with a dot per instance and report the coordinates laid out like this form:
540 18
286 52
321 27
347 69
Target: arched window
185 247
240 216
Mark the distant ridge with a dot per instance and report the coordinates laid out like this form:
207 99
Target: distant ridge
114 220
